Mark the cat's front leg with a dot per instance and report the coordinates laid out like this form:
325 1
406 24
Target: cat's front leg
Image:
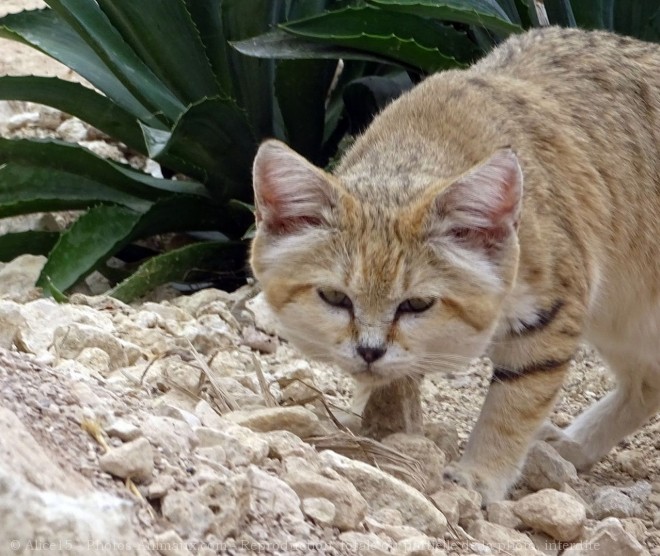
516 405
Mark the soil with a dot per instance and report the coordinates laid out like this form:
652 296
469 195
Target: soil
52 399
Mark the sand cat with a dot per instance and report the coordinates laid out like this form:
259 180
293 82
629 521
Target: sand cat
511 209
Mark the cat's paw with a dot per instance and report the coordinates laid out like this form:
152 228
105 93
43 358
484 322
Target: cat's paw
567 448
491 488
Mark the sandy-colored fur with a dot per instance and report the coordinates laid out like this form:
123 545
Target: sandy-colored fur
577 257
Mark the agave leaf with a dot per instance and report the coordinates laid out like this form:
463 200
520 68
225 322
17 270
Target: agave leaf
640 18
284 46
186 213
169 267
253 78
33 242
46 32
91 239
64 157
301 87
173 51
92 25
213 142
481 13
560 12
80 101
207 16
401 37
25 189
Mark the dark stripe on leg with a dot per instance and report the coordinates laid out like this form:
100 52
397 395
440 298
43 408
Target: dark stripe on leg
502 374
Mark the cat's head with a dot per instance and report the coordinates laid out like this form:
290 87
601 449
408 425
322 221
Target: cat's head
380 288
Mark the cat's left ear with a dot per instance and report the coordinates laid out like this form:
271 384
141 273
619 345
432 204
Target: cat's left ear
483 206
290 193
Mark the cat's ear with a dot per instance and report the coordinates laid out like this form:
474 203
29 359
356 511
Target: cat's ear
482 207
290 193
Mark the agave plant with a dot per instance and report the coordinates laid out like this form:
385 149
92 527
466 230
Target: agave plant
408 39
168 86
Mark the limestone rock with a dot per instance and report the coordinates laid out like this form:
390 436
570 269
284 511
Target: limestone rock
171 544
425 452
73 525
18 277
172 436
634 463
320 510
364 544
276 501
611 538
11 321
124 430
241 445
505 539
350 505
187 514
620 502
502 513
134 459
448 504
469 502
552 512
229 500
382 490
284 444
545 468
296 419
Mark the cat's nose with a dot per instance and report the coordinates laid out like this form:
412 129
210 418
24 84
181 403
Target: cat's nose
371 354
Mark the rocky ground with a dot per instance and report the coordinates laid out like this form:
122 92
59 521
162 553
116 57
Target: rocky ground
183 425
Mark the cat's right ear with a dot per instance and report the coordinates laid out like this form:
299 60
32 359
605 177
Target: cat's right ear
290 193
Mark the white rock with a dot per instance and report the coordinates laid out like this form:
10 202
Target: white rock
504 539
124 430
381 490
70 340
264 318
188 515
29 514
133 460
171 544
240 445
469 502
18 277
167 410
448 504
415 546
502 513
259 341
552 512
615 502
160 486
427 454
207 415
95 358
351 507
609 537
284 444
276 501
364 544
229 499
545 468
397 532
298 420
320 510
11 321
172 436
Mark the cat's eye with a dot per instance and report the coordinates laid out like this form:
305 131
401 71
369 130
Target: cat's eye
415 305
335 298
